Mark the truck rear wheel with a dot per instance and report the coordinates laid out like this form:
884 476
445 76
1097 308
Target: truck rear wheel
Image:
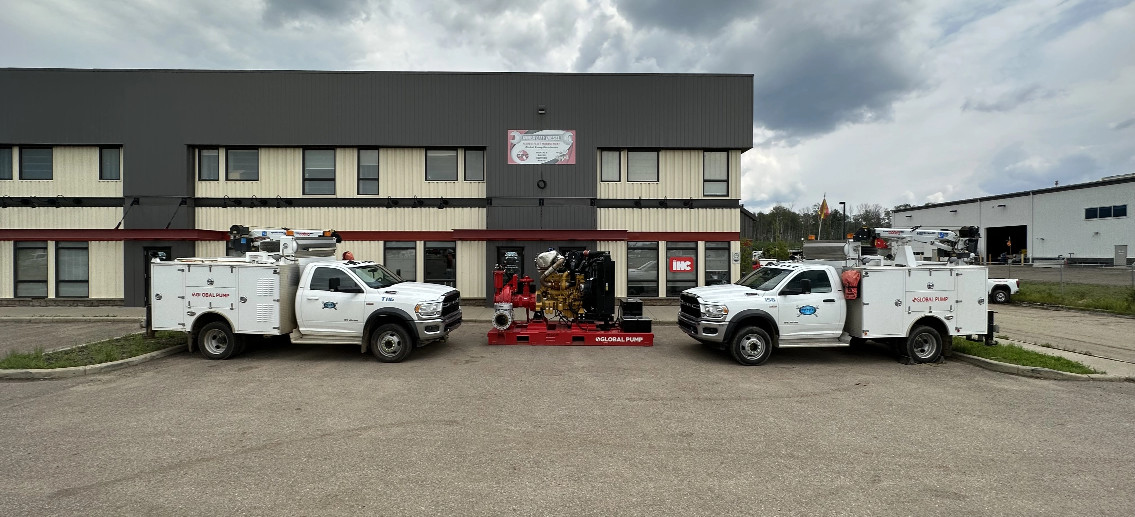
751 346
390 344
924 345
216 340
1000 295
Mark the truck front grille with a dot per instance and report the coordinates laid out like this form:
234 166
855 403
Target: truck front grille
451 303
689 305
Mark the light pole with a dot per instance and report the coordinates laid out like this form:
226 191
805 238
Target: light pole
843 224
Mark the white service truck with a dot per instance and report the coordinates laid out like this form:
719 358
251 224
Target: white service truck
917 309
293 286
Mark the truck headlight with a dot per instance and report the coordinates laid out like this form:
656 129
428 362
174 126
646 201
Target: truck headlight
714 310
428 309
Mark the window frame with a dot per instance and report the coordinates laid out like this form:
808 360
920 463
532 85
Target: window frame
7 167
657 164
618 165
50 153
675 284
465 172
456 151
217 160
717 246
1115 209
229 162
647 285
60 281
706 181
359 179
1091 212
435 246
16 281
303 175
401 245
102 163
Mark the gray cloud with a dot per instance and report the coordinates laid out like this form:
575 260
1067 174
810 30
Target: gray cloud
1119 126
280 12
1012 169
1010 100
686 17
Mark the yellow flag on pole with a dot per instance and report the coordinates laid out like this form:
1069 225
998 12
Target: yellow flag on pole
824 209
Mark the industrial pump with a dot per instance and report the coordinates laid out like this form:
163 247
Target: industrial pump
572 303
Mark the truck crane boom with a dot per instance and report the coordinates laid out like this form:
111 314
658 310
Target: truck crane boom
961 245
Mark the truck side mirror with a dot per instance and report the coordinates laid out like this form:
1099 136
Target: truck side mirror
333 283
805 286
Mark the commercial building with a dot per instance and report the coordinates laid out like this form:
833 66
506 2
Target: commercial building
435 174
1083 223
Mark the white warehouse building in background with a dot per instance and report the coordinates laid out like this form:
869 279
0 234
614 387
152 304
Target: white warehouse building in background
1083 223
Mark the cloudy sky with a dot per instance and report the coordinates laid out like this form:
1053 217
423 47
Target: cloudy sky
882 101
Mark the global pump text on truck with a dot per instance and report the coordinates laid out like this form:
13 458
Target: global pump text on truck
916 308
288 283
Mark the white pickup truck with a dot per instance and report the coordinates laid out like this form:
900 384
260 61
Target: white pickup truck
1001 290
916 309
219 301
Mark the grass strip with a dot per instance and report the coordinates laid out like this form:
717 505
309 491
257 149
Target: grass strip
94 353
1013 354
1110 298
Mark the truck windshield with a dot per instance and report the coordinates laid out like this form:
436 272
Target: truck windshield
764 279
376 276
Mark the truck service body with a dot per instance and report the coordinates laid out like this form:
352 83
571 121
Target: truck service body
314 299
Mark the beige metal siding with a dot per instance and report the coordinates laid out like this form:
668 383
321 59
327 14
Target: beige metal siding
7 270
346 172
60 218
679 177
471 269
75 173
402 173
210 249
669 219
281 173
105 269
336 218
618 250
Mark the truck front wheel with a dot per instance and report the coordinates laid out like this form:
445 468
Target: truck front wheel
216 341
390 344
751 346
924 345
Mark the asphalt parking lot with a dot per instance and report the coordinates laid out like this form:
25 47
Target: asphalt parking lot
467 429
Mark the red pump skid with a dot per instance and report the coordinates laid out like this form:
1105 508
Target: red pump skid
585 334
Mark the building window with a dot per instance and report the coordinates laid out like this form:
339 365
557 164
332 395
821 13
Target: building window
441 263
717 263
441 164
1091 213
31 269
642 269
242 165
642 166
71 272
611 166
368 172
319 172
208 165
474 165
5 163
1105 211
681 267
715 173
110 163
1119 211
35 163
400 258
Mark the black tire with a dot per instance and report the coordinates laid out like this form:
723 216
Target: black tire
999 295
923 345
390 343
751 346
857 343
216 341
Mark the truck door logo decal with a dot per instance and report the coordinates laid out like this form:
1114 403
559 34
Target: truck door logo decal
329 305
808 310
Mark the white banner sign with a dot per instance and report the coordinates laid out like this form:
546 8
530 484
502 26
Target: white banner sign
541 147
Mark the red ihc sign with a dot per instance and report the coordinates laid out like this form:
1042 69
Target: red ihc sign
681 264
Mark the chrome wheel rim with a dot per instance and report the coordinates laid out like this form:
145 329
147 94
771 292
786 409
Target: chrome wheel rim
752 347
925 345
215 341
390 344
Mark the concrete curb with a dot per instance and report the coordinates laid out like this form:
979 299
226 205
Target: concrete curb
1036 372
90 369
69 319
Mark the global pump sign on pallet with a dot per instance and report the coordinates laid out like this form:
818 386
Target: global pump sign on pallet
541 147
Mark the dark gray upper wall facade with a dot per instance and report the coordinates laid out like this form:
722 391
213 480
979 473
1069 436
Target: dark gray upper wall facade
155 114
